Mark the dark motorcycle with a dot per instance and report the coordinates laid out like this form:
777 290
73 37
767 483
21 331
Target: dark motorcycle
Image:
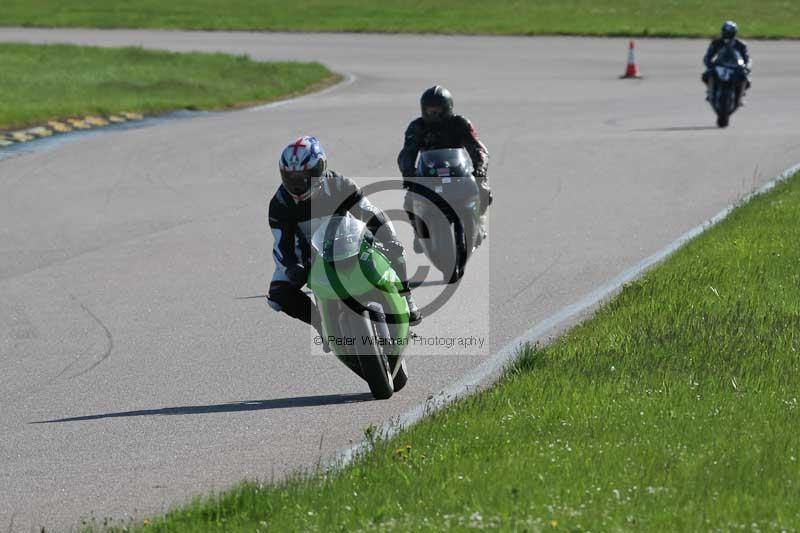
726 84
446 208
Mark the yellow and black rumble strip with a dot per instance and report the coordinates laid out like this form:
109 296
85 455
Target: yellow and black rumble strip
55 127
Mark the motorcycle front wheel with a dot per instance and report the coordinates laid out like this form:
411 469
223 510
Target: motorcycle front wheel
378 318
723 112
401 378
375 367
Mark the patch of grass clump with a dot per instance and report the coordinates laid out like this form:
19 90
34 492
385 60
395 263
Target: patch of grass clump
42 82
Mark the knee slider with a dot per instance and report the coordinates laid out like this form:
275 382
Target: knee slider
274 305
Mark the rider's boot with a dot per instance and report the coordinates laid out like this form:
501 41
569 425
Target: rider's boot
414 314
486 201
417 244
316 321
482 233
705 79
408 207
399 264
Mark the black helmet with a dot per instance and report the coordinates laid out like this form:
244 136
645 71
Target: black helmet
436 104
729 29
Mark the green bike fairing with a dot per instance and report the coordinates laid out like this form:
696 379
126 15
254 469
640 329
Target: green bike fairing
355 277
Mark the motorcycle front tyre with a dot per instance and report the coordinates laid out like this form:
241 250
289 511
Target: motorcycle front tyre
723 113
374 365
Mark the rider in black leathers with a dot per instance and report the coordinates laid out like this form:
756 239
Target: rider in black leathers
439 128
309 192
728 36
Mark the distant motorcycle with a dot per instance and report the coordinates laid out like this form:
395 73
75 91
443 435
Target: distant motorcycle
446 208
364 317
726 84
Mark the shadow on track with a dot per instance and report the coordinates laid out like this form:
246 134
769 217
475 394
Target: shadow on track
233 407
680 128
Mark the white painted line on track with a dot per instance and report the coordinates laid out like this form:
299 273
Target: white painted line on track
349 79
493 365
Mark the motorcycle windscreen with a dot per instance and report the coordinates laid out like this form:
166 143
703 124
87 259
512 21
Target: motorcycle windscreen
339 237
730 57
447 162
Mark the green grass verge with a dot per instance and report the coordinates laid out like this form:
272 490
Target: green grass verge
762 18
675 408
42 82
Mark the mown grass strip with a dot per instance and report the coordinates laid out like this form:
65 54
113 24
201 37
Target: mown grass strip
44 82
764 18
675 408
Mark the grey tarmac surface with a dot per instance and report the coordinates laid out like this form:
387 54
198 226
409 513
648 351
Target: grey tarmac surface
126 257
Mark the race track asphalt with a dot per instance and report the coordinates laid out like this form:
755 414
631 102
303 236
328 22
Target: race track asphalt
135 369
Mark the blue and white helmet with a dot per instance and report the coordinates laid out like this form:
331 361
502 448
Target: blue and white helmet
728 29
302 164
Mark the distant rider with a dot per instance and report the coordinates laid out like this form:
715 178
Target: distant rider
439 128
306 181
728 36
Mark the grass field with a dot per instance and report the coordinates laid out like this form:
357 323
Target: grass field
39 82
762 18
674 409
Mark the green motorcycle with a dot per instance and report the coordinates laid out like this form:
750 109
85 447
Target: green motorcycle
364 317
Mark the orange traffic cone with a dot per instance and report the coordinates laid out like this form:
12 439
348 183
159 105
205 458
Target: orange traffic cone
632 70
